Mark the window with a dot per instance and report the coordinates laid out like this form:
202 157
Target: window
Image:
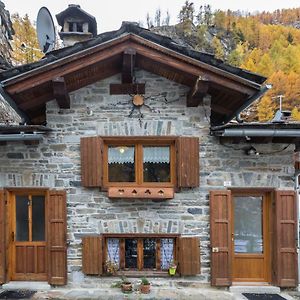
140 253
138 162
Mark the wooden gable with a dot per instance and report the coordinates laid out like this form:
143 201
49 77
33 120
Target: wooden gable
32 89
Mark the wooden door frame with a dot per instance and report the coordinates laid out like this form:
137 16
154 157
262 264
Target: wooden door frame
267 227
11 193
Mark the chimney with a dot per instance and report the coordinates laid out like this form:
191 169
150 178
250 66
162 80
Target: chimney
76 25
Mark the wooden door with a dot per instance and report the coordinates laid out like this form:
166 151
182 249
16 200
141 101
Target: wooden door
250 238
28 236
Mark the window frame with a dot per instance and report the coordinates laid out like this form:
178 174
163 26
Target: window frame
138 143
140 257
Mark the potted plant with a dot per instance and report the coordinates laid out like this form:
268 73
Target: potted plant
145 286
111 267
172 268
126 285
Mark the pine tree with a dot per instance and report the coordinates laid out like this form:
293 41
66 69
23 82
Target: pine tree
25 44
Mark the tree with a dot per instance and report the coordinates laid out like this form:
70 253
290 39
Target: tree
149 21
265 109
217 48
187 12
157 17
25 44
166 20
295 114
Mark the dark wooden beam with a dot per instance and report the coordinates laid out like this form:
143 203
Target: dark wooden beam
197 92
60 92
128 65
127 88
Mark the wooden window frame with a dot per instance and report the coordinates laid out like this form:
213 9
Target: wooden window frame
138 143
140 238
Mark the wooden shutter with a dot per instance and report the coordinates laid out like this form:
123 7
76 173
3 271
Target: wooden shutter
2 238
189 255
56 237
220 231
91 149
285 264
92 256
187 161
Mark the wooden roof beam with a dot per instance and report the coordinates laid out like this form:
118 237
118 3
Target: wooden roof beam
60 92
128 65
197 92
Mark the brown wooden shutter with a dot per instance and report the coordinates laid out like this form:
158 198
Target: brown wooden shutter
92 256
187 161
91 149
286 266
220 231
56 237
2 238
189 255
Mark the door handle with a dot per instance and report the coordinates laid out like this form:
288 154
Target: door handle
13 236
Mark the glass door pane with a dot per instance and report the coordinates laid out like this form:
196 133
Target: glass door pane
248 228
131 253
22 228
149 246
38 218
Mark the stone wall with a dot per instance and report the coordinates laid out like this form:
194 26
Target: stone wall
56 163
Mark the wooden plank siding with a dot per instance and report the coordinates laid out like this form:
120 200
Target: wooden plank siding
91 161
220 231
189 255
286 262
92 255
2 238
56 237
187 162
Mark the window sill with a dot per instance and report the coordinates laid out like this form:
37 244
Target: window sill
141 192
143 273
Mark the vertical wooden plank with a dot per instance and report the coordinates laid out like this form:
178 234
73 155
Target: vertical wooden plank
92 255
140 254
158 254
286 260
91 150
220 237
2 237
56 237
187 161
122 254
189 255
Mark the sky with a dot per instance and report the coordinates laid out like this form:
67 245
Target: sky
110 13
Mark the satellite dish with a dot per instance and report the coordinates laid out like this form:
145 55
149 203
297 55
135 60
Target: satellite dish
45 30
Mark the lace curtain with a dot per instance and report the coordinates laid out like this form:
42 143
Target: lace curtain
156 154
120 155
113 254
166 253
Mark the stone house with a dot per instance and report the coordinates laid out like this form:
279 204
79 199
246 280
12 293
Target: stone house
129 161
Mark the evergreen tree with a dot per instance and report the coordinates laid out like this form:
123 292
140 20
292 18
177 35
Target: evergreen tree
25 44
217 48
265 109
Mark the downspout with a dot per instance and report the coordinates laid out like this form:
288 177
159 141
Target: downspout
248 102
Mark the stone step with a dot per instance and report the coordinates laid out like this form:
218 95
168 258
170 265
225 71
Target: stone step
27 285
259 289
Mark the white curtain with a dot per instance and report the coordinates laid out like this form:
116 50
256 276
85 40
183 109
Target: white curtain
113 252
120 155
156 154
166 253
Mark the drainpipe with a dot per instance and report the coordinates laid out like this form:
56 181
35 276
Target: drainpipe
20 137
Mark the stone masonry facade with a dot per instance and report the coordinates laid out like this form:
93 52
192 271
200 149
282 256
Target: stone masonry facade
55 163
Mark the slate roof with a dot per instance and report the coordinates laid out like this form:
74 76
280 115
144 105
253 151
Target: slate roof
129 27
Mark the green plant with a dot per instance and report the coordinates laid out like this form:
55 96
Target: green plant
117 284
145 281
111 267
125 280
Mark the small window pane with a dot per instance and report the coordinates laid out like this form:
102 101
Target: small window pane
166 253
38 218
22 230
248 229
149 254
156 164
121 164
131 253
